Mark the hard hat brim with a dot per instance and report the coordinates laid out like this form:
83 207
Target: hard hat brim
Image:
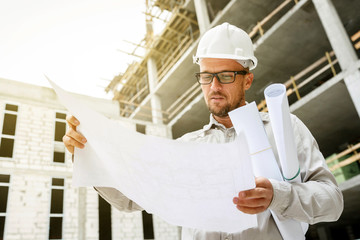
196 59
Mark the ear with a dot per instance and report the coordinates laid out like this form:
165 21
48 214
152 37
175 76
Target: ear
248 80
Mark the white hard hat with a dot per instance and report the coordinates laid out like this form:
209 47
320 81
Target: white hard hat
228 42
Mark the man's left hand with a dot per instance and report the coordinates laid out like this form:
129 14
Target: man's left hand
255 200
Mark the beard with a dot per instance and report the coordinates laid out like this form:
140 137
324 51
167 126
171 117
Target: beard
223 111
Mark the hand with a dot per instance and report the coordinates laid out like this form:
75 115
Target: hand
72 138
255 200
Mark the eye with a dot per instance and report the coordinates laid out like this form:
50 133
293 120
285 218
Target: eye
206 76
227 76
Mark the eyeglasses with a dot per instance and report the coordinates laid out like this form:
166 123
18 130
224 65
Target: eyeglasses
226 77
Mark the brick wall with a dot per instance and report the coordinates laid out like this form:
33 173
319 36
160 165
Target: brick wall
31 170
126 225
164 230
28 206
92 215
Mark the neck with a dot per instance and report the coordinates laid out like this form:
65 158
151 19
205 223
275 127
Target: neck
226 121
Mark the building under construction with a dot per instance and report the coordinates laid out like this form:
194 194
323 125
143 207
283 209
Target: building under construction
311 46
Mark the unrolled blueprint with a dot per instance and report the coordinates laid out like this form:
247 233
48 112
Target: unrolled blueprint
185 183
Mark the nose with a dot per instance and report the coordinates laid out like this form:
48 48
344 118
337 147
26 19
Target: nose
215 84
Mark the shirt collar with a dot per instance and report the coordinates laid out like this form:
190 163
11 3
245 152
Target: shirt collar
212 124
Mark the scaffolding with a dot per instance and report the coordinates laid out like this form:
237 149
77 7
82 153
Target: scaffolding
181 30
179 34
311 74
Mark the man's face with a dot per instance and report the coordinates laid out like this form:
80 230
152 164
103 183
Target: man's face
223 98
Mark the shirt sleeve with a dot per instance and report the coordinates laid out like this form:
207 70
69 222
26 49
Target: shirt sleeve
317 198
117 199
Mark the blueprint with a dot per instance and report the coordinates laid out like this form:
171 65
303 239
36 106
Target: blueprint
185 183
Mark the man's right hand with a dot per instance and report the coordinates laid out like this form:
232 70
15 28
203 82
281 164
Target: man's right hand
72 138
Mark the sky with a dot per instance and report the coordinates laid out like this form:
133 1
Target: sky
74 42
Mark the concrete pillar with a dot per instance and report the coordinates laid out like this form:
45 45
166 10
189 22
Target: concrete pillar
341 45
202 15
353 85
155 99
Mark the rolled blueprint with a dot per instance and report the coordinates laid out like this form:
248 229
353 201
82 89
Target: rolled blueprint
247 119
279 114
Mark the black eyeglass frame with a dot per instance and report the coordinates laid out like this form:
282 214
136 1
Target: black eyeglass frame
197 75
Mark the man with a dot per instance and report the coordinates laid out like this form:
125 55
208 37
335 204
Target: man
225 56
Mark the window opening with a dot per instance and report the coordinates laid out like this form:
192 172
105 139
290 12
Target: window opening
60 129
104 219
56 208
4 191
7 138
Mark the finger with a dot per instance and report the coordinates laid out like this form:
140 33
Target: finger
257 192
76 135
251 210
73 122
70 142
253 202
69 147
